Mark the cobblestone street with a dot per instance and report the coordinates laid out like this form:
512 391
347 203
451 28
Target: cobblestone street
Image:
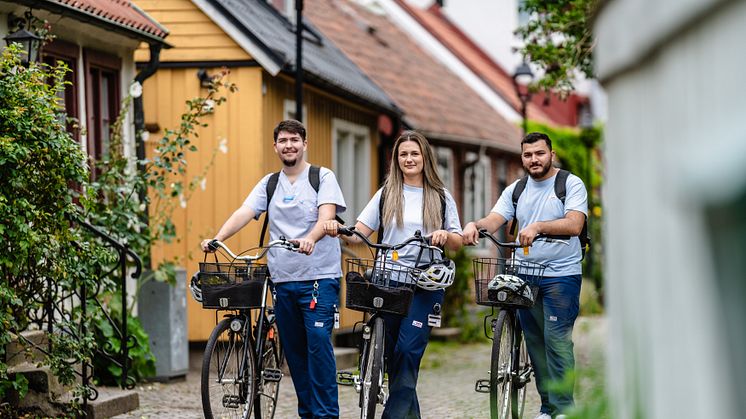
445 388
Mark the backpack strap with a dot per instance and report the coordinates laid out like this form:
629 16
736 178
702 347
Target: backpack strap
560 185
314 178
271 186
519 187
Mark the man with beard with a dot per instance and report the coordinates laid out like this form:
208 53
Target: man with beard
538 210
306 283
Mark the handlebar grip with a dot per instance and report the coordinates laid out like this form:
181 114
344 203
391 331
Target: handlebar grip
294 245
212 245
345 231
553 236
482 232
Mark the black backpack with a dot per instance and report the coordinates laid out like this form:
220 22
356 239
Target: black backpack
313 179
560 189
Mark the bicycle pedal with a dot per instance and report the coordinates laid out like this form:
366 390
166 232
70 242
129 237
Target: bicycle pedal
271 374
231 401
482 386
345 378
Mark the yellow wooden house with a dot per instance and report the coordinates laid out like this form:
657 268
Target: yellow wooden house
343 110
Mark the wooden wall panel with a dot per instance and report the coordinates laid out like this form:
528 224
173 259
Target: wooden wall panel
229 178
193 34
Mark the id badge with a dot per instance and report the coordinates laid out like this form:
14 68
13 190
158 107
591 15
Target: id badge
433 320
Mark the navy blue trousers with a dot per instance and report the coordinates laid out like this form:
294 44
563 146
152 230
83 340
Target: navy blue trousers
406 339
306 337
547 327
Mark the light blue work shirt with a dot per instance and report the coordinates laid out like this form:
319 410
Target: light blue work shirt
293 213
538 202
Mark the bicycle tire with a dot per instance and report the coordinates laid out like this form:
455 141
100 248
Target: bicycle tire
268 391
224 395
500 366
372 370
522 372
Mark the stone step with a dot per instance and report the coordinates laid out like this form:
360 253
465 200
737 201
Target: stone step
18 351
112 401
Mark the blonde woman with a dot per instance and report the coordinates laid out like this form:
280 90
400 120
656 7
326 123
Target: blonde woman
413 199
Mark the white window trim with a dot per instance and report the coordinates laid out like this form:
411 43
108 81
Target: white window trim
362 181
447 154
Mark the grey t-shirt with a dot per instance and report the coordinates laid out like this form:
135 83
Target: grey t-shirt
412 222
538 202
294 211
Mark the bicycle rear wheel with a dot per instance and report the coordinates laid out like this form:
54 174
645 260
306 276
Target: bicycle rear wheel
227 382
501 366
269 383
521 377
371 370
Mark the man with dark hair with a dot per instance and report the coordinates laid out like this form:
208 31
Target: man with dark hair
299 199
534 203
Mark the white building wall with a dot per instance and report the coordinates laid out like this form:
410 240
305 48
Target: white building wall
675 144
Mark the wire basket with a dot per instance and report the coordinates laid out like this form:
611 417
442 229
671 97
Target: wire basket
375 285
503 282
232 286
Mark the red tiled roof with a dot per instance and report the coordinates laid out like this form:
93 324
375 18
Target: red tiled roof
433 98
121 12
453 38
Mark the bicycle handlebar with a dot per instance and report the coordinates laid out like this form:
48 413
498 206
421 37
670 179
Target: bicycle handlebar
281 242
512 245
423 241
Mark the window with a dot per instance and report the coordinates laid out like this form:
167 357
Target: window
68 54
102 81
477 191
444 157
351 156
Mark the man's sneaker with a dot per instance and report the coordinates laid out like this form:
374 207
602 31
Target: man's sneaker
543 415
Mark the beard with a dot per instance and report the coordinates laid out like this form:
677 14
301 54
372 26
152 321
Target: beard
544 170
289 162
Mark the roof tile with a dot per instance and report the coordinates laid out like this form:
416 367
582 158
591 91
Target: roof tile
123 12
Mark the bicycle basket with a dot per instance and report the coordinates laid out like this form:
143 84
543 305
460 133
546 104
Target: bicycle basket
231 286
374 285
507 282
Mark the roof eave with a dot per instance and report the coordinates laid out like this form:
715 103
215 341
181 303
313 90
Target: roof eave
84 16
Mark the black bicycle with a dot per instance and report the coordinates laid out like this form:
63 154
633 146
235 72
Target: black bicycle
241 367
375 286
507 284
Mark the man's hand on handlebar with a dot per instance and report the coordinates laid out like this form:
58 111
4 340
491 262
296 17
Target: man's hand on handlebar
305 245
205 245
331 227
471 234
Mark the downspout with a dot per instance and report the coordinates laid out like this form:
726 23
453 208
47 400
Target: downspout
144 74
299 60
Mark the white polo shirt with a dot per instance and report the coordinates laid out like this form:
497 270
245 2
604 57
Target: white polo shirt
294 211
412 222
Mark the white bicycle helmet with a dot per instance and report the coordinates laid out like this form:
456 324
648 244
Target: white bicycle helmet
195 288
510 289
437 275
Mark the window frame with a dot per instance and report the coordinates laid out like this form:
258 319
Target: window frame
358 194
99 65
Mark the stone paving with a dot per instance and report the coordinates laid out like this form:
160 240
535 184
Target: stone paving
445 388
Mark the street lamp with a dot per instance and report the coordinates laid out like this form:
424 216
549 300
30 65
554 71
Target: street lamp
522 78
30 42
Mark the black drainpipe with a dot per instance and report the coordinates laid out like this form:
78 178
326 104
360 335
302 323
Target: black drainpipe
147 71
299 60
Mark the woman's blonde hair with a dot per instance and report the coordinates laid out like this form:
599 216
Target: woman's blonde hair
433 188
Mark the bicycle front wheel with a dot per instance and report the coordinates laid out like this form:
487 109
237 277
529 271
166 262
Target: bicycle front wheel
227 381
269 387
521 377
371 370
501 366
